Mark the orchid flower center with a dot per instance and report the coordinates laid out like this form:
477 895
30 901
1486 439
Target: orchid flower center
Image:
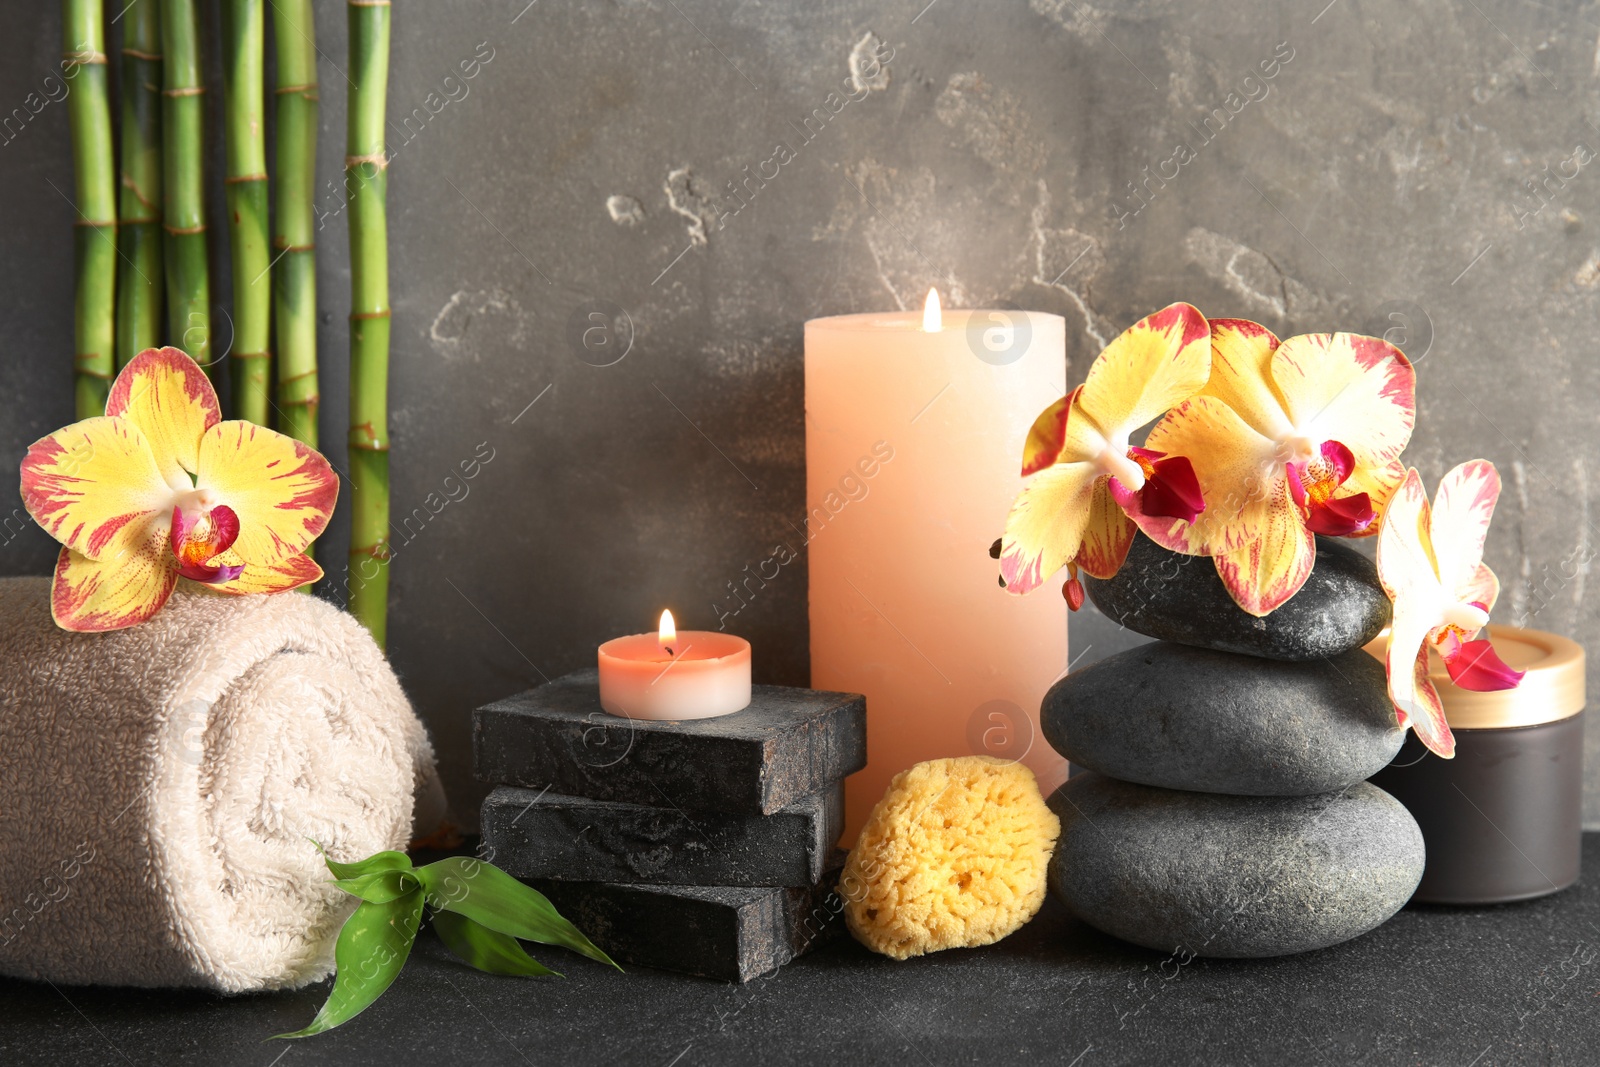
1320 478
1297 448
1125 466
195 503
197 536
1472 665
1463 620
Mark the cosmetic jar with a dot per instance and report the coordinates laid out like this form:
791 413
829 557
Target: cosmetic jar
1503 820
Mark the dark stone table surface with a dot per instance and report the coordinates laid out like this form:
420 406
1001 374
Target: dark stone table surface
1482 987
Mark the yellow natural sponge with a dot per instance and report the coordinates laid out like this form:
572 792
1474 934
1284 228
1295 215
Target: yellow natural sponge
953 856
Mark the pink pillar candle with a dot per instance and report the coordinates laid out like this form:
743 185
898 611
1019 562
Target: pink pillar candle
696 674
914 434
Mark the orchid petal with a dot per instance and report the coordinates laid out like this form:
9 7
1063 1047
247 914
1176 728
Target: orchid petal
1159 361
208 573
169 398
1476 666
1342 516
94 596
1047 434
1427 711
1046 524
1241 375
1405 551
1407 639
1462 508
1340 460
1342 387
1172 490
224 527
282 490
95 487
178 533
290 572
1107 536
1295 474
1416 700
1265 573
1483 588
1379 484
1237 470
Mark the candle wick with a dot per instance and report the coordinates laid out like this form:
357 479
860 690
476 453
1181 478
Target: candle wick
669 650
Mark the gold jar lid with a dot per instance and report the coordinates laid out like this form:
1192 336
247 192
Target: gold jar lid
1552 689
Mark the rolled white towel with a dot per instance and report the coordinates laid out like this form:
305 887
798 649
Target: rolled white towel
160 788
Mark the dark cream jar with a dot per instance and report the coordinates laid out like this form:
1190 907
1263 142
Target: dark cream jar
1503 820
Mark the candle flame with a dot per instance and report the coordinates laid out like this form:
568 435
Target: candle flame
932 320
667 632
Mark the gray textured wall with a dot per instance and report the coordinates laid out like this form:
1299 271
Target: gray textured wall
1383 168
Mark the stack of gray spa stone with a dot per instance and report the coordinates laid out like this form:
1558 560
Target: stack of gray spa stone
1224 810
705 846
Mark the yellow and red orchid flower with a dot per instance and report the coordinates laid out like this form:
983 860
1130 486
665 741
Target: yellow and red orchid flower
1288 440
1081 469
1430 561
160 488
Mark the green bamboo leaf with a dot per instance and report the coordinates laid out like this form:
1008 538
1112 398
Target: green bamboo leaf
486 949
380 887
378 861
373 945
487 895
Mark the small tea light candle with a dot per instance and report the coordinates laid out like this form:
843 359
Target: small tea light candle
696 674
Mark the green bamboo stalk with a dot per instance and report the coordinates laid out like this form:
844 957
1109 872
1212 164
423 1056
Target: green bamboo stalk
183 184
83 41
366 185
140 284
294 242
244 44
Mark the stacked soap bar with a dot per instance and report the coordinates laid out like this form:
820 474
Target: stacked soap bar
704 846
1228 813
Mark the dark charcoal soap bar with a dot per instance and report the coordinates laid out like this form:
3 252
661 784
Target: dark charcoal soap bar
541 834
726 933
788 744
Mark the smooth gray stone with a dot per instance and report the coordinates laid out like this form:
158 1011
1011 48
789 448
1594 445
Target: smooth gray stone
734 934
1173 597
1218 722
788 744
1209 875
539 834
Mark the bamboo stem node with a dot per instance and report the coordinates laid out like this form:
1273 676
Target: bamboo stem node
89 123
183 208
85 363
